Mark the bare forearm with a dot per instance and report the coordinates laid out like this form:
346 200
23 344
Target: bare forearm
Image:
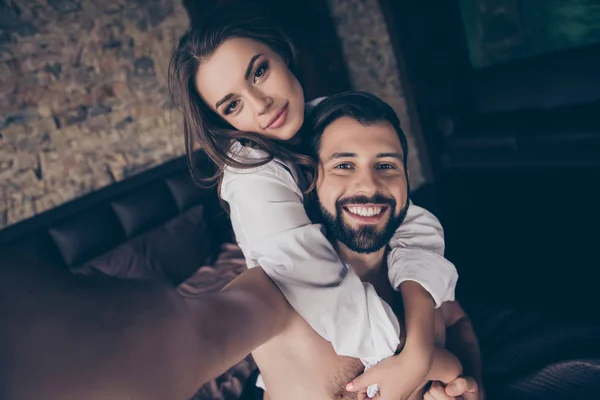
96 341
118 339
461 341
234 322
419 315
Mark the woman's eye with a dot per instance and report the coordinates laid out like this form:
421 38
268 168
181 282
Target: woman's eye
261 71
231 107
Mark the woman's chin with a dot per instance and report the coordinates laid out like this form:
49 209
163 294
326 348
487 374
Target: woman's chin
286 133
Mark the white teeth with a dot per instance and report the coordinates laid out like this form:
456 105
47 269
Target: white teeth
365 211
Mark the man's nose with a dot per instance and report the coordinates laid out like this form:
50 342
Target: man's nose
261 103
365 182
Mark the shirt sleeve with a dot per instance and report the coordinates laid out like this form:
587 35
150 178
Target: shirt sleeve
417 254
274 231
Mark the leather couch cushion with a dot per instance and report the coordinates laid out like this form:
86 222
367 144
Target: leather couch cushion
87 235
145 208
172 251
185 192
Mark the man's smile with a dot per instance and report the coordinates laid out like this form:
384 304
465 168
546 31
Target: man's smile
366 213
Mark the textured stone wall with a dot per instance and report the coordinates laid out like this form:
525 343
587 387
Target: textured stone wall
83 97
372 67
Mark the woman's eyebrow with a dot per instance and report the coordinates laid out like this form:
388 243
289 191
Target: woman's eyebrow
246 75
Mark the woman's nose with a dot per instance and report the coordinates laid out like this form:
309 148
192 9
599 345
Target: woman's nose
260 102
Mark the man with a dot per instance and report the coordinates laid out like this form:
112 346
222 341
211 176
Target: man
362 195
363 198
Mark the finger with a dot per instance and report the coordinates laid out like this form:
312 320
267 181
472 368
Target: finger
433 396
362 381
438 392
461 385
363 394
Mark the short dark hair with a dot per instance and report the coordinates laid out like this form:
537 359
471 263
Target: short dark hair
365 108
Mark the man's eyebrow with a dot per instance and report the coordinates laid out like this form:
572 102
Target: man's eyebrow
246 75
393 155
341 155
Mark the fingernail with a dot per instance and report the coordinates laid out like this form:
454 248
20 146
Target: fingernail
349 387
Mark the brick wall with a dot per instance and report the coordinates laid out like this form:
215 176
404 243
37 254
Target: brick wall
372 67
84 99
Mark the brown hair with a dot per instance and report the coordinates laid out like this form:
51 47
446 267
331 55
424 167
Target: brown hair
203 128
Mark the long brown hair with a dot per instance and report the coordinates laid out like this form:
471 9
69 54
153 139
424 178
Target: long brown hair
203 128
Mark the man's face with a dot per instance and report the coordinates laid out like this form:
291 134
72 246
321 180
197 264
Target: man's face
361 184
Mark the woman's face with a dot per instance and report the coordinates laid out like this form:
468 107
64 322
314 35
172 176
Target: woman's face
251 87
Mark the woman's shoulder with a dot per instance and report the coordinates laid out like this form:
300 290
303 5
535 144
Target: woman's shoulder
250 155
245 154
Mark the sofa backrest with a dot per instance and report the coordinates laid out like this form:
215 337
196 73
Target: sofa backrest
156 224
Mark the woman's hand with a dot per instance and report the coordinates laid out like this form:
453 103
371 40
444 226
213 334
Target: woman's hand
398 377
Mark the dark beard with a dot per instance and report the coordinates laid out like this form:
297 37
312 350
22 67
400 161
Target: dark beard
365 239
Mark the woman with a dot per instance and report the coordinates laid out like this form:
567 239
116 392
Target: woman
244 106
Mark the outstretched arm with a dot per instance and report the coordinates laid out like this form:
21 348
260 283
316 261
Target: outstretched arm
67 338
232 323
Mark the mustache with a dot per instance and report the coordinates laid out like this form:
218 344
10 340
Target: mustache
361 199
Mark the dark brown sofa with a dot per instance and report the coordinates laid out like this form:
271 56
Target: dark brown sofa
154 225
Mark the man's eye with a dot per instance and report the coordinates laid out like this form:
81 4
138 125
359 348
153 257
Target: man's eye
386 166
231 107
343 166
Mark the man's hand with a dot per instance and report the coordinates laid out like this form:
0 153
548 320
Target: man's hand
465 388
398 377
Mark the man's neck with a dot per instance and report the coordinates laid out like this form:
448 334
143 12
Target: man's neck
367 266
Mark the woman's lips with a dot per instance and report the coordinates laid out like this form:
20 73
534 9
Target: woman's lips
279 119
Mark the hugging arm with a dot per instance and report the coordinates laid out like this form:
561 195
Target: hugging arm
461 339
417 254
